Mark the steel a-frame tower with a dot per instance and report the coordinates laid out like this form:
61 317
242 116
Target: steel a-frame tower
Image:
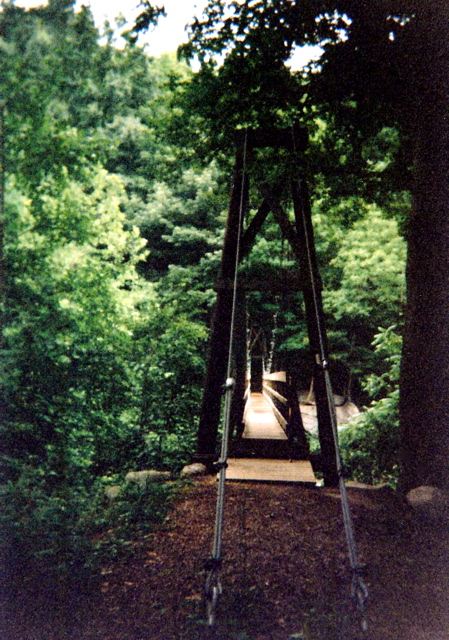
301 238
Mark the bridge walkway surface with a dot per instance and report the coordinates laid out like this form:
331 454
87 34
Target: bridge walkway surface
262 454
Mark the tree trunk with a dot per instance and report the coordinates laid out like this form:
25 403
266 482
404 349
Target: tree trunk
424 402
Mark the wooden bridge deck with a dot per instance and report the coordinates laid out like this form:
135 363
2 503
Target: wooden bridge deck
260 421
261 425
268 470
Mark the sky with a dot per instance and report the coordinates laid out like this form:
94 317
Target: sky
170 31
166 37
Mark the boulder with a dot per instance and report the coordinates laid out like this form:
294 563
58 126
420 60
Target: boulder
193 470
429 503
142 478
379 498
113 491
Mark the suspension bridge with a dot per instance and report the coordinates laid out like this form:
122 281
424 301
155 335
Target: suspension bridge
269 450
263 436
265 453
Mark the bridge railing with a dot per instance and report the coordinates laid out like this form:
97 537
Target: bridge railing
275 389
281 393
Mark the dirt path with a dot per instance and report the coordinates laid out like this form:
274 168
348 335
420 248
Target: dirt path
284 576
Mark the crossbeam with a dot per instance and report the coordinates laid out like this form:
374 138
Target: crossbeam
294 138
300 236
284 281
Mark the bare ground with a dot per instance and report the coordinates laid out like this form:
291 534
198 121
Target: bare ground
285 574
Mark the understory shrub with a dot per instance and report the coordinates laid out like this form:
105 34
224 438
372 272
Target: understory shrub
170 451
39 521
66 530
138 509
172 388
370 444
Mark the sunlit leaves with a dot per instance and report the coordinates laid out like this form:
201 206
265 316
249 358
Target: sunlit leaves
74 300
371 264
370 445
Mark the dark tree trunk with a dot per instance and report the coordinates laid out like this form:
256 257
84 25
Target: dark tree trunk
424 403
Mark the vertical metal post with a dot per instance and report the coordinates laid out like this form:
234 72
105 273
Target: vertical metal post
220 330
240 361
312 289
295 426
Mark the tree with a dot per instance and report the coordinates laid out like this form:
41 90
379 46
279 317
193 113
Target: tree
73 300
71 100
384 64
184 221
424 404
364 282
88 368
71 370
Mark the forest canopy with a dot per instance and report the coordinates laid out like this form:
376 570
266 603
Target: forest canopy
384 66
116 170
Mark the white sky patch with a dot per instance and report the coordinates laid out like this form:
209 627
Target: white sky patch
301 56
165 38
170 31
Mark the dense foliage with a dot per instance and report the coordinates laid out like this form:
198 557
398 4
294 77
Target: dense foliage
94 382
117 171
370 445
382 83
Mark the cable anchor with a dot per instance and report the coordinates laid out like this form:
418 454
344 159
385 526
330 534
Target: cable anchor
360 595
212 588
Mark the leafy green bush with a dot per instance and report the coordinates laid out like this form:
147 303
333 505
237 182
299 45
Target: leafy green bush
370 445
48 523
73 301
172 388
68 530
170 450
138 509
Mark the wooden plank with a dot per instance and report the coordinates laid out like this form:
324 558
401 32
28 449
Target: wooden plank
263 470
260 421
278 415
279 376
269 391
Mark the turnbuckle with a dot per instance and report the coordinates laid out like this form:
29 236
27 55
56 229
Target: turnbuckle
212 588
360 595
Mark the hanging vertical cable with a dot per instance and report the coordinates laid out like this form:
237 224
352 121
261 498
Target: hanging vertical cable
268 368
213 586
359 591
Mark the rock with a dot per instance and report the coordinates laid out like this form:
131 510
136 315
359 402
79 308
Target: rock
384 488
429 503
193 470
380 497
142 478
112 492
346 412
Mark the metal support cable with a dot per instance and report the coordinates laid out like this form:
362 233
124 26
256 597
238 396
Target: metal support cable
359 590
269 364
213 587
